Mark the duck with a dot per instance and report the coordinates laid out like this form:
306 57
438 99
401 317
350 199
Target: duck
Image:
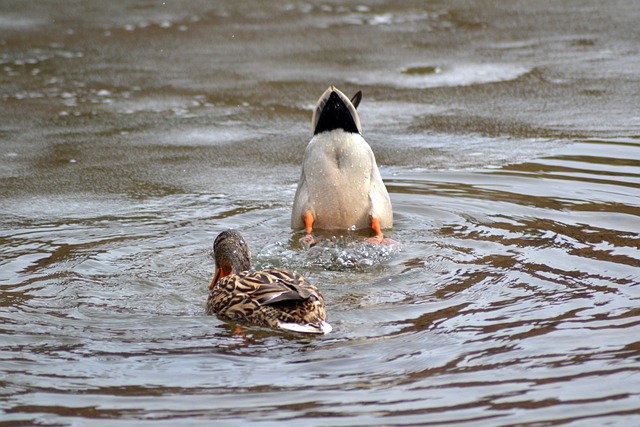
274 297
340 187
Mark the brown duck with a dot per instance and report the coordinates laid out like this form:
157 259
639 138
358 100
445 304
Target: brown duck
273 297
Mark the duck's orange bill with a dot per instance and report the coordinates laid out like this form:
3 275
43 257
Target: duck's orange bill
217 276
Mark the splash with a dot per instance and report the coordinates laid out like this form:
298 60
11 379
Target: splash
338 253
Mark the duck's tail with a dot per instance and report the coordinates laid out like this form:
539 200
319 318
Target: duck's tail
307 328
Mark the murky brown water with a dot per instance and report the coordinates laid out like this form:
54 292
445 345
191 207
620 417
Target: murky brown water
131 133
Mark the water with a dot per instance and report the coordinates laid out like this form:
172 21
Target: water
509 139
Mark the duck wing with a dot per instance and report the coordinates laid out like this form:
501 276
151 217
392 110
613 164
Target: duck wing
276 285
275 298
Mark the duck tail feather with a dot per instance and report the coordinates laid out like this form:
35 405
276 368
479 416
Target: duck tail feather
308 328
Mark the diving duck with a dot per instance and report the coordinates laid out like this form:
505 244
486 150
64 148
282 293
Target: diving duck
340 187
273 297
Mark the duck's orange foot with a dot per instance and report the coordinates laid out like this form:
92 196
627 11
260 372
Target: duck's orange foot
379 237
308 241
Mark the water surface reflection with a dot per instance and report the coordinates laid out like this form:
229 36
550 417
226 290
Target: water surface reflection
131 134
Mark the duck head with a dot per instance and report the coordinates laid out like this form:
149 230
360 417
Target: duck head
335 111
232 254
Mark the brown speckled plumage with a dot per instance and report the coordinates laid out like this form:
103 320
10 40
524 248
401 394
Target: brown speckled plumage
273 297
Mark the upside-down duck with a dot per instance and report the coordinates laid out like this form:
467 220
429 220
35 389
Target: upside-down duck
340 187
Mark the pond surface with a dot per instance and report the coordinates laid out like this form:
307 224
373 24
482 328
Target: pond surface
132 132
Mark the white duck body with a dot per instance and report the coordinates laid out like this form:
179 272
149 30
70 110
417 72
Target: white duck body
340 183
